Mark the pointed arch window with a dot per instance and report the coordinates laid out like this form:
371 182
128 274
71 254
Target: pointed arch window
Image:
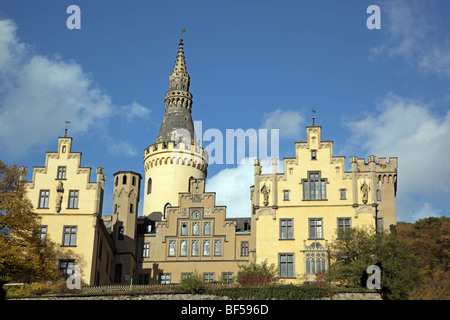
149 186
168 205
124 179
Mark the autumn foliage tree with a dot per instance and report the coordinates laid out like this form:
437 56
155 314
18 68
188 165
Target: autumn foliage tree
24 256
430 240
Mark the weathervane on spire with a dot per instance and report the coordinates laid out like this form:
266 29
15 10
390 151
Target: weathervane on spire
181 33
65 133
314 113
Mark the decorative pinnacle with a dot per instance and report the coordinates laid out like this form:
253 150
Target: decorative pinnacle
180 63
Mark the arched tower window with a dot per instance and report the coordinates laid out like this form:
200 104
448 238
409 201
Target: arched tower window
168 205
117 181
149 186
124 179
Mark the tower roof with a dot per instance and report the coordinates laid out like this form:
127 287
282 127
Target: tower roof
177 124
180 63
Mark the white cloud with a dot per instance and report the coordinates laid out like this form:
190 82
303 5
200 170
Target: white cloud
289 122
409 130
122 148
39 93
232 186
415 35
135 110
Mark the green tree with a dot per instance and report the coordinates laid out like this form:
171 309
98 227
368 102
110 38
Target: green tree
359 248
257 274
24 256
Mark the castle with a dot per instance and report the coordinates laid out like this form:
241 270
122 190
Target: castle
182 230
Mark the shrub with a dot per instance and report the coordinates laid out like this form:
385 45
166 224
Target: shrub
193 284
277 292
257 274
37 288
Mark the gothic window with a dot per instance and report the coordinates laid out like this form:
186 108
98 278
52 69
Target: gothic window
194 248
314 188
133 181
195 228
124 179
168 205
217 247
183 248
286 265
149 186
172 244
207 229
117 181
315 262
206 248
184 229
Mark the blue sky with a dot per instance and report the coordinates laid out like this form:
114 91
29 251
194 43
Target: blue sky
253 64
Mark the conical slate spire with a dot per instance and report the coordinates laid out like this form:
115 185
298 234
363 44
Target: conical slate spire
178 103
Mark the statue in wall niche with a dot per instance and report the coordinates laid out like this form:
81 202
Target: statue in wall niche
59 196
365 192
265 191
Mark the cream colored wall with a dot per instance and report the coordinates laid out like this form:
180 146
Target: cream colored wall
84 217
225 230
170 172
266 216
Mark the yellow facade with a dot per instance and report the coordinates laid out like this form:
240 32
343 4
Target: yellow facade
196 236
168 168
70 205
298 212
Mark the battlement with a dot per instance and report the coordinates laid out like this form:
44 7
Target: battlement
176 153
372 164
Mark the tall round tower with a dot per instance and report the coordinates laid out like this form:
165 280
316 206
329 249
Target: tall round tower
175 156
